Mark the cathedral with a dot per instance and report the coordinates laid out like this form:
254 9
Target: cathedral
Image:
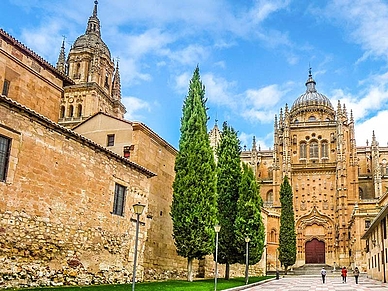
71 168
338 187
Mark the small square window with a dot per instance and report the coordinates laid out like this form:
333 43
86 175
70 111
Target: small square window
5 146
119 200
6 87
110 140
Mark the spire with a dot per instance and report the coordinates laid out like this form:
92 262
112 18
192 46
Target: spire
254 144
95 8
310 83
94 22
351 116
61 63
116 86
344 110
339 110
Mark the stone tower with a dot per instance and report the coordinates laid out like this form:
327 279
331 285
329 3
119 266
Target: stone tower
97 81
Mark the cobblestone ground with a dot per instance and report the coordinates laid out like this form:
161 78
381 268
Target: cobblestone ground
307 283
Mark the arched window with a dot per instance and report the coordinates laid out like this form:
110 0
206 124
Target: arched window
79 110
106 84
312 118
77 74
313 150
71 111
384 167
324 149
273 235
270 173
360 193
62 114
270 196
302 150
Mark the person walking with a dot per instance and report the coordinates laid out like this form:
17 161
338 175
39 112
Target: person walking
323 273
344 273
356 274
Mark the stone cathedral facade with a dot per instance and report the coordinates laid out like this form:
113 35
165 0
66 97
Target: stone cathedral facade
338 187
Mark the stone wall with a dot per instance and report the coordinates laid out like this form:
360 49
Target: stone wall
33 82
56 225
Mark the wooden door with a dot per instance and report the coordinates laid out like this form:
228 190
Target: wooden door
315 252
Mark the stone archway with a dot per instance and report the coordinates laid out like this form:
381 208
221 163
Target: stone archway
315 252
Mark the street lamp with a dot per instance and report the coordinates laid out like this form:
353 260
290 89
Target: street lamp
138 209
217 229
247 240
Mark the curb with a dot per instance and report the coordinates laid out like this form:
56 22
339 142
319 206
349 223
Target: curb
249 285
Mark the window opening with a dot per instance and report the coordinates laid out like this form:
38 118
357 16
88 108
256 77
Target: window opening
5 148
6 87
303 151
110 140
313 150
119 200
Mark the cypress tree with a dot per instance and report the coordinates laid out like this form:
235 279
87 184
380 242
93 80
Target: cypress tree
249 222
287 236
194 204
228 179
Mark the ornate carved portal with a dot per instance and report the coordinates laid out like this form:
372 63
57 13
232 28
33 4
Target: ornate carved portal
315 252
315 237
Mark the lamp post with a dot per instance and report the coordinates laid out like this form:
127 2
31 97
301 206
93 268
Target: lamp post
138 209
277 257
247 240
217 229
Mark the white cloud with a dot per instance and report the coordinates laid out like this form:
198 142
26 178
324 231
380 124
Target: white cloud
247 140
136 108
43 39
264 8
219 90
181 82
367 22
152 41
373 100
378 124
259 103
191 55
130 72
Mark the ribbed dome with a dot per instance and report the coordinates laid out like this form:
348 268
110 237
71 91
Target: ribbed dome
311 97
91 41
92 37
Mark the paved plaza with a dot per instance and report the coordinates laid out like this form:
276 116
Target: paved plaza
305 283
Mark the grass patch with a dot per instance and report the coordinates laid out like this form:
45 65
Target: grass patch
171 285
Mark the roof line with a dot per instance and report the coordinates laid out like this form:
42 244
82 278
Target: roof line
76 136
34 55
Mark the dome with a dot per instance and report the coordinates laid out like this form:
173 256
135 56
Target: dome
311 98
91 41
92 37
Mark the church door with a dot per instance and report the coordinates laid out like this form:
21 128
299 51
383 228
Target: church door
315 252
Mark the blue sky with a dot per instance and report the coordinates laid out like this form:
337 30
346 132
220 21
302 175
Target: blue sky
253 56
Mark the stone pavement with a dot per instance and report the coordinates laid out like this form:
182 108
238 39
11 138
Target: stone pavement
314 283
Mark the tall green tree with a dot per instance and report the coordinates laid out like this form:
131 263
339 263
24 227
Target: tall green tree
194 205
287 236
228 180
249 222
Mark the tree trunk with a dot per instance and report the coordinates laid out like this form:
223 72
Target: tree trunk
285 270
190 269
227 269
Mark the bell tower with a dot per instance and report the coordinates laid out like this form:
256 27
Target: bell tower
97 81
